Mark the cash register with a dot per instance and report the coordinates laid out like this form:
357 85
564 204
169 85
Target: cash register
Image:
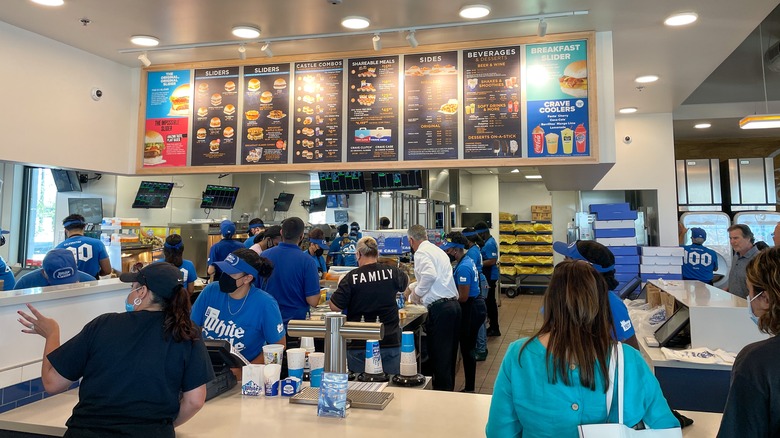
223 358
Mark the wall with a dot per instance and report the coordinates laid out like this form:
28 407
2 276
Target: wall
485 197
517 198
51 119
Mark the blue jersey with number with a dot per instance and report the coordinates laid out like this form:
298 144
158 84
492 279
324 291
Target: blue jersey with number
348 250
88 252
699 263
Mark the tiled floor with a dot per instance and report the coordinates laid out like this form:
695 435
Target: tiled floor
519 317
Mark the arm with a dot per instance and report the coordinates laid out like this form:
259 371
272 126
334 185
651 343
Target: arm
334 307
190 404
53 382
489 262
105 266
313 300
632 341
190 287
463 293
425 273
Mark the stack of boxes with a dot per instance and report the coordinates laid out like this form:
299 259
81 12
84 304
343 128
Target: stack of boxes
662 262
541 212
615 228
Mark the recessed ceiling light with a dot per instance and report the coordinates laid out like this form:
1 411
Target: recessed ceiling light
355 22
144 40
247 32
628 110
533 177
49 2
681 19
515 171
702 125
646 79
474 11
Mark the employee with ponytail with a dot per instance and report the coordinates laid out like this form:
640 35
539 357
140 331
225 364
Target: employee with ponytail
142 372
173 250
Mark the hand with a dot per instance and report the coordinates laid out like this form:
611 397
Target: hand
38 324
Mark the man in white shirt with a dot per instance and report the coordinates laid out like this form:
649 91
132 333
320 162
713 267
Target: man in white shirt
435 289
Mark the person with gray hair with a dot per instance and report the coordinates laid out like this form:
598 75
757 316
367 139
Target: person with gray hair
435 289
369 292
743 243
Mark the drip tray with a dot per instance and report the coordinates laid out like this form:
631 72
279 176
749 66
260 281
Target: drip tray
358 399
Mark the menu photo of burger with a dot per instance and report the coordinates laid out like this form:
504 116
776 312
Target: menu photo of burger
253 85
228 132
266 97
229 109
203 111
574 81
216 99
214 145
280 84
153 147
180 101
201 134
230 86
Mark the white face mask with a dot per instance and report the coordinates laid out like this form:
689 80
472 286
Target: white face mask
753 316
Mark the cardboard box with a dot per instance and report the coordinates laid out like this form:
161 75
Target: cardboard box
541 216
614 232
663 251
627 269
541 209
617 241
597 225
662 260
608 215
653 295
597 208
626 276
624 250
660 269
626 260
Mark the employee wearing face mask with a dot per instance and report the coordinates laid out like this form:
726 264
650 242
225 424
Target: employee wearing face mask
317 247
267 239
753 404
142 373
236 310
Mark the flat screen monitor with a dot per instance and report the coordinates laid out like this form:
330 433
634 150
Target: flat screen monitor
66 180
283 202
628 288
471 219
341 216
90 208
221 197
318 204
153 194
672 332
401 180
334 183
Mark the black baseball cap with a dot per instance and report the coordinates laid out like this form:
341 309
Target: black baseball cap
162 278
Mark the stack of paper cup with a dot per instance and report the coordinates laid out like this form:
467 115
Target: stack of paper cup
296 357
272 353
308 345
408 356
272 373
373 358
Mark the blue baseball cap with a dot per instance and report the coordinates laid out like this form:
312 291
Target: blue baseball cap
234 264
598 255
59 265
319 242
227 228
698 233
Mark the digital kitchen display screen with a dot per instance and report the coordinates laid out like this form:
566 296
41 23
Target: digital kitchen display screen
153 194
222 197
332 183
404 180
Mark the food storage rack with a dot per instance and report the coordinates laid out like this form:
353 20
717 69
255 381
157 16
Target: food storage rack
526 260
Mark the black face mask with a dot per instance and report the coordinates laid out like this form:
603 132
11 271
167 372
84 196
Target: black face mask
452 257
319 252
227 284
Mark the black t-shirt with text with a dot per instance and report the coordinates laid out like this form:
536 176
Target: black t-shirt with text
369 291
131 374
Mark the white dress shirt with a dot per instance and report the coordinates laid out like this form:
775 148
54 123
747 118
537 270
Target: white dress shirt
433 272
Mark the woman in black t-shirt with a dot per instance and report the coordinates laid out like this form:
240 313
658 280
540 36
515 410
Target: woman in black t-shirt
369 292
142 372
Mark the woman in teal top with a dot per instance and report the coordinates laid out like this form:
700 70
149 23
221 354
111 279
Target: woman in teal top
554 381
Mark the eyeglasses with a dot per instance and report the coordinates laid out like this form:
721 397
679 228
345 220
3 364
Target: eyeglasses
750 300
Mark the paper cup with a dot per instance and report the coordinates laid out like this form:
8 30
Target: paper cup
253 380
407 342
272 353
272 373
409 369
373 363
317 361
296 359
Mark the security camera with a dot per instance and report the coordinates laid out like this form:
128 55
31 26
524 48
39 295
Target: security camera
97 94
334 2
627 139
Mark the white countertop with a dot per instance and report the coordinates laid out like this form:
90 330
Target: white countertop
36 294
694 293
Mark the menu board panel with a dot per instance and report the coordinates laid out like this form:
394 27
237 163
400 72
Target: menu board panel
317 117
266 106
215 118
372 126
491 103
168 97
431 106
557 95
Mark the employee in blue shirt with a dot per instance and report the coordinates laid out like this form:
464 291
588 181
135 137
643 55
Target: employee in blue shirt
221 249
699 263
6 274
490 269
256 226
334 252
91 255
59 267
173 250
317 247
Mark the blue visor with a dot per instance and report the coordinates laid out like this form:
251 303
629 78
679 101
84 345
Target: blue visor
179 245
234 264
571 252
319 242
480 231
257 225
447 245
470 233
73 223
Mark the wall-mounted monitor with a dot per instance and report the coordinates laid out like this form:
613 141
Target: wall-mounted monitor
401 180
66 180
334 183
318 204
283 202
221 197
471 219
153 194
341 216
90 208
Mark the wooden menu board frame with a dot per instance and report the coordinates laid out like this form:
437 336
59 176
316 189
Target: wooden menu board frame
593 134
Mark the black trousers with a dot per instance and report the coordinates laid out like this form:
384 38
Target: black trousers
441 331
473 316
492 307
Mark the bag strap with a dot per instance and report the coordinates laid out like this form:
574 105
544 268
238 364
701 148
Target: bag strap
621 382
611 376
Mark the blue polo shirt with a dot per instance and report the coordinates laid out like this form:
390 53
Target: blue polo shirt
466 273
490 251
249 242
220 250
36 279
474 254
293 279
348 249
699 263
335 252
620 319
7 275
188 273
320 261
88 252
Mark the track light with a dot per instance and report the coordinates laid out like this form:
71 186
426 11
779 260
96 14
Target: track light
144 59
541 30
377 41
267 50
242 51
411 39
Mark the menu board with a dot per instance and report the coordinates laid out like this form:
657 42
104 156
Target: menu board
266 106
317 119
168 98
214 118
557 95
372 125
491 103
431 106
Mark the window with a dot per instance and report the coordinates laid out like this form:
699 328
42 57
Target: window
38 220
314 192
